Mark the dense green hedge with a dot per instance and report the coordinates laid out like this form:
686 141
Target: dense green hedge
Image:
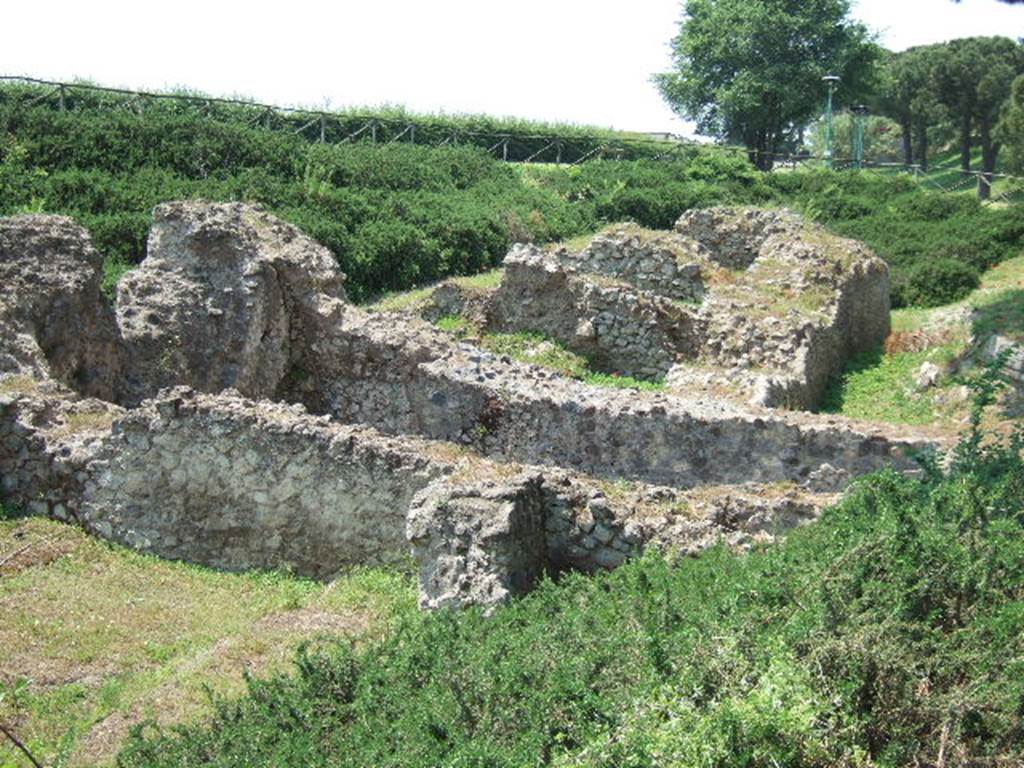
400 215
394 216
888 633
908 226
525 138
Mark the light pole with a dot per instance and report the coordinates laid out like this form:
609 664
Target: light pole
832 81
860 113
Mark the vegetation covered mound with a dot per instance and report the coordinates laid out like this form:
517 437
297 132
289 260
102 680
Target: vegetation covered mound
889 634
401 215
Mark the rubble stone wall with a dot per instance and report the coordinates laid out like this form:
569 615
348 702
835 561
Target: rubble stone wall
223 299
54 319
46 441
617 327
661 263
237 484
525 414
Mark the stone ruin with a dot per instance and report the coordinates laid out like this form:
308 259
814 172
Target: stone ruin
749 304
236 411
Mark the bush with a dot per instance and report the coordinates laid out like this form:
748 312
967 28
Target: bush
397 215
933 283
889 631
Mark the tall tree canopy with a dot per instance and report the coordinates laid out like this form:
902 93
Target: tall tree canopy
906 93
972 79
750 70
1011 127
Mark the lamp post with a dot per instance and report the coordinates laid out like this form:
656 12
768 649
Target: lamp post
832 81
860 113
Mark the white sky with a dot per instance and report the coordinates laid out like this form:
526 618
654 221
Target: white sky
580 61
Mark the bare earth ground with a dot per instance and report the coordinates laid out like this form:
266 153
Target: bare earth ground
97 639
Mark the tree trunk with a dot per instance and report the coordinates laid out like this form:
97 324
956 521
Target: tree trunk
907 127
989 153
922 145
759 150
965 144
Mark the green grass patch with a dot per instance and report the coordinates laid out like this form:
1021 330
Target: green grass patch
483 282
623 382
97 638
540 349
999 304
536 348
880 387
114 269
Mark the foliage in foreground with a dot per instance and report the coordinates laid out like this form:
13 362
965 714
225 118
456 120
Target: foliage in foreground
888 634
96 636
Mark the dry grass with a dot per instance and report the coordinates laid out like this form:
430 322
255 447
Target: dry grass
85 421
405 301
97 638
401 302
18 384
485 281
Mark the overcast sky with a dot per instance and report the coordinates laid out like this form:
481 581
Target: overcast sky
576 61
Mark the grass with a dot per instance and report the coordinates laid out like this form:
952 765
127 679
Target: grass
18 384
402 301
540 349
879 385
944 174
484 281
114 268
536 348
999 303
97 638
623 382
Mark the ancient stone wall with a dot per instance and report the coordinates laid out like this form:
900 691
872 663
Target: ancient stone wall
236 484
222 299
659 262
775 306
732 237
526 414
54 320
47 438
534 471
617 327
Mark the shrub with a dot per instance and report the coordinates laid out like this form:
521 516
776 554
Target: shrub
933 283
399 214
886 633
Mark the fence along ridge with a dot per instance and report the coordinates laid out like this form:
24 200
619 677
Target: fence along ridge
599 144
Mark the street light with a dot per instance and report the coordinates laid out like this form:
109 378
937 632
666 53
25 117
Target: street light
860 113
832 81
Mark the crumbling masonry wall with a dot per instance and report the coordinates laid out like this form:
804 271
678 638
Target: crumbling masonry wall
167 426
523 413
759 306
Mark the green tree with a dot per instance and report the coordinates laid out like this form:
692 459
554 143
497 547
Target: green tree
1011 127
906 92
973 76
1003 61
750 70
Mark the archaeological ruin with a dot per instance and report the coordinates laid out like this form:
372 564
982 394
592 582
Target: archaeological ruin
232 408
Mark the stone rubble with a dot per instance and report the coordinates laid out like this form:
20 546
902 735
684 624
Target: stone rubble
236 411
742 303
